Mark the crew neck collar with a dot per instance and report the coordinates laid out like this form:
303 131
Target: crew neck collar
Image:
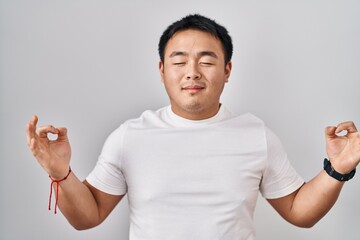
180 121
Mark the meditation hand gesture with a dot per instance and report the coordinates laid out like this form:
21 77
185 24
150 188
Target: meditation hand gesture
343 151
53 155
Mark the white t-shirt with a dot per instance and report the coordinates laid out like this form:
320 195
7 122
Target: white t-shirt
193 180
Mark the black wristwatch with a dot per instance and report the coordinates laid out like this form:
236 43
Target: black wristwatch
338 176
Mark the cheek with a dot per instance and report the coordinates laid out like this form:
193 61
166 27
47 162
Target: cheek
215 79
173 75
171 82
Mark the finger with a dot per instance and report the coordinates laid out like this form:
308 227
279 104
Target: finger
44 130
62 134
30 128
348 126
39 151
330 132
34 147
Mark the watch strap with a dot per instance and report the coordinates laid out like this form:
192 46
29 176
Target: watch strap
338 176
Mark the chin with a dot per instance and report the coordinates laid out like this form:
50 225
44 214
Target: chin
194 107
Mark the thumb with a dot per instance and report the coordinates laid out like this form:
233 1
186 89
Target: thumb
330 132
62 134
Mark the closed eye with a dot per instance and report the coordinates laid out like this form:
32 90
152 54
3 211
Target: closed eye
206 63
179 63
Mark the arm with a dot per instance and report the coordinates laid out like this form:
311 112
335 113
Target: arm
306 206
83 205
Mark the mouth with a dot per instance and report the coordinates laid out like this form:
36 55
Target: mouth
193 88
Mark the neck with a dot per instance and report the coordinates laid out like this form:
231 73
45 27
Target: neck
197 114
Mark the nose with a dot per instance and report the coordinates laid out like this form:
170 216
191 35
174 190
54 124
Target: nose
193 72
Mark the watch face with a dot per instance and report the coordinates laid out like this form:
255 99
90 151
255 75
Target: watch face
326 163
327 166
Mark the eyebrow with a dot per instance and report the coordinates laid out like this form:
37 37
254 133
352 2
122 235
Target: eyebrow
200 54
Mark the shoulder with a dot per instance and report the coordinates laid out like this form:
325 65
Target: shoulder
252 125
251 118
246 120
148 119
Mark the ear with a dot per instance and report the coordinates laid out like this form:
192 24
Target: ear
161 70
228 68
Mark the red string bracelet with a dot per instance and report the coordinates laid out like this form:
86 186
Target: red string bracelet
57 189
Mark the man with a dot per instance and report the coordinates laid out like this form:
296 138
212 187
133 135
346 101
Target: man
193 170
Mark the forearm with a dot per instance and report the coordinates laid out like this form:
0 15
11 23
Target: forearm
82 204
77 203
314 199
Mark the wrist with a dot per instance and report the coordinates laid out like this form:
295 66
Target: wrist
332 172
56 182
60 173
339 165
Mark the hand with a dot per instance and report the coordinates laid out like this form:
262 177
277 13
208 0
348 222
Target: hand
53 155
343 151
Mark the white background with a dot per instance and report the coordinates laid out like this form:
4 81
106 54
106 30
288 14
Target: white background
90 65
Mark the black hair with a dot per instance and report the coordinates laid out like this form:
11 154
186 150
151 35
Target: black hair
198 22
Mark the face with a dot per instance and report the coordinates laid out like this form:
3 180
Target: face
194 73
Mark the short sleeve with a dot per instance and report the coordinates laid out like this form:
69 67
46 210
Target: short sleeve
279 178
107 175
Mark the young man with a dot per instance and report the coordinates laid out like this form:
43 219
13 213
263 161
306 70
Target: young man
193 170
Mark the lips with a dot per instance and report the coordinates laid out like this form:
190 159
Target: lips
193 88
